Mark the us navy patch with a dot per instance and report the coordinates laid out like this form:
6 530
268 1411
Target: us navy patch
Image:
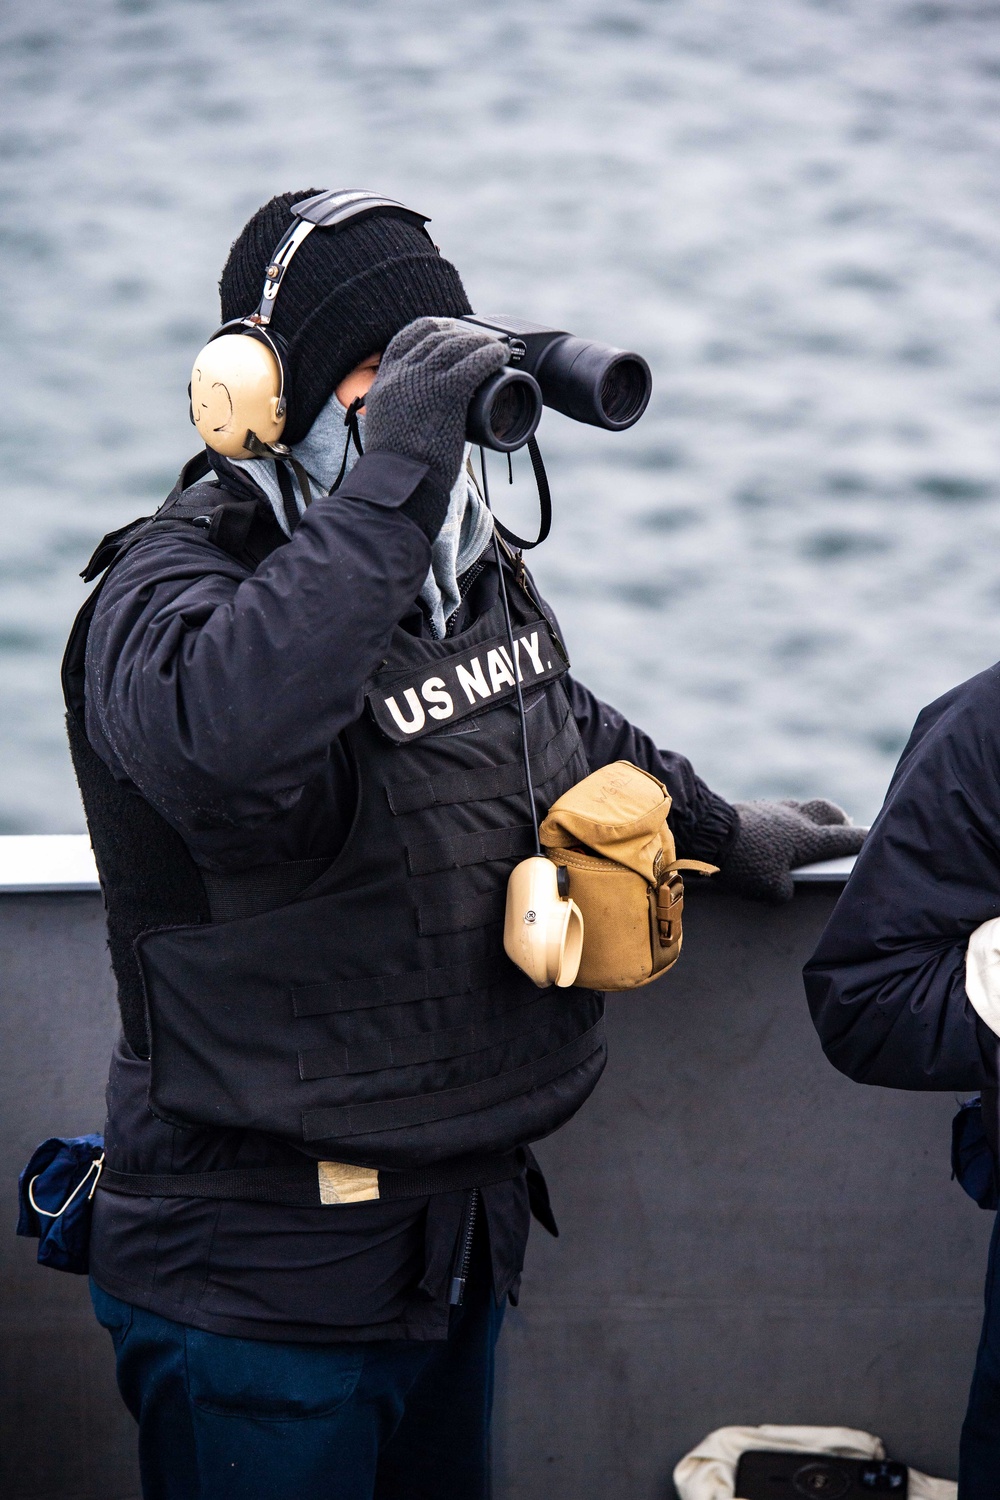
453 687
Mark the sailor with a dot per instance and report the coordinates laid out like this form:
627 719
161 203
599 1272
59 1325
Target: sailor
904 987
292 719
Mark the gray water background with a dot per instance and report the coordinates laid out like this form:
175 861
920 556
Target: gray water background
792 208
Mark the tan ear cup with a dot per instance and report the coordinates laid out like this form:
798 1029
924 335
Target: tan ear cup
235 392
543 931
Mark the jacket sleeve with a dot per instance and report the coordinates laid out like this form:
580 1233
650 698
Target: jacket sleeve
886 985
217 692
703 824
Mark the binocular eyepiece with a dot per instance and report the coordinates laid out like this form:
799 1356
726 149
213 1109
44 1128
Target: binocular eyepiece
504 411
590 382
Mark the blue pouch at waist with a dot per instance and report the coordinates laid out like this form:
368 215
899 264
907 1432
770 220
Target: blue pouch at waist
56 1200
972 1158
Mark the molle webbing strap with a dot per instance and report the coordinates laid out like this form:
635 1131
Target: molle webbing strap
431 1046
461 915
298 1185
487 782
444 1104
461 786
470 849
387 989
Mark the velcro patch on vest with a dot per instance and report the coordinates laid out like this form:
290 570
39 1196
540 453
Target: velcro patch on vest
442 692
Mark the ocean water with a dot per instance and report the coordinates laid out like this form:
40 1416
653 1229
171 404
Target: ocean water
791 208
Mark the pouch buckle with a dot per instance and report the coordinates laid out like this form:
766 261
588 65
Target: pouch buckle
669 906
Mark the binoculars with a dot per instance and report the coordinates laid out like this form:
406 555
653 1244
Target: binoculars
589 382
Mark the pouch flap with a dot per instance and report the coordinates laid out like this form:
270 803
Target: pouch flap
619 812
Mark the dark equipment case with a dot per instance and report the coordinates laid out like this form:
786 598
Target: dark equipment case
766 1475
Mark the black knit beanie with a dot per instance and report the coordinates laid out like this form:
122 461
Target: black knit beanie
346 293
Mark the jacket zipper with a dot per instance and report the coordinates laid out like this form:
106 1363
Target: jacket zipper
457 1293
465 583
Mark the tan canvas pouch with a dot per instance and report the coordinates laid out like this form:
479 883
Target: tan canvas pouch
610 832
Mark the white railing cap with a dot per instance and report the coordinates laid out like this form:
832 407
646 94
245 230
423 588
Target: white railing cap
829 871
65 862
47 862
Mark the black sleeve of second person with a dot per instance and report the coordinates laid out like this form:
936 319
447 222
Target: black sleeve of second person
886 986
702 822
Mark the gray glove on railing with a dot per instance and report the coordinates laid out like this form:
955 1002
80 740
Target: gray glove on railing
419 401
775 838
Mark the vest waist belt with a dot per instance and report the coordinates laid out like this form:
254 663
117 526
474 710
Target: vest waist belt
312 1184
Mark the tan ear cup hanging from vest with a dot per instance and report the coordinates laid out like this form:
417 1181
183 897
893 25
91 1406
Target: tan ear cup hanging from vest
543 930
615 865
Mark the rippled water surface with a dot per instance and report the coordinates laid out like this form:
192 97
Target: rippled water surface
790 208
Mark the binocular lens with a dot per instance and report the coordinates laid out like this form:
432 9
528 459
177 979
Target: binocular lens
513 411
625 391
504 411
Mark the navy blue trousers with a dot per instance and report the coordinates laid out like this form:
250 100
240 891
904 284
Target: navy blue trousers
979 1453
240 1419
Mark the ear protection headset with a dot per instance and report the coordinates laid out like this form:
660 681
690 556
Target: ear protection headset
239 381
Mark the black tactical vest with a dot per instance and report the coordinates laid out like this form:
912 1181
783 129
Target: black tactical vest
375 1017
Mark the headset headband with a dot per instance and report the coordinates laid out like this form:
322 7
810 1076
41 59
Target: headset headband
325 211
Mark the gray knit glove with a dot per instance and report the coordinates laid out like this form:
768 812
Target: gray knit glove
775 838
420 399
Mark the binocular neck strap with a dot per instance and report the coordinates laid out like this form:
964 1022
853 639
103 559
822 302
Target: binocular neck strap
544 501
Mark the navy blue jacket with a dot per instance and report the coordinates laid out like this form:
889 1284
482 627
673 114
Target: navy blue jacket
886 986
221 695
